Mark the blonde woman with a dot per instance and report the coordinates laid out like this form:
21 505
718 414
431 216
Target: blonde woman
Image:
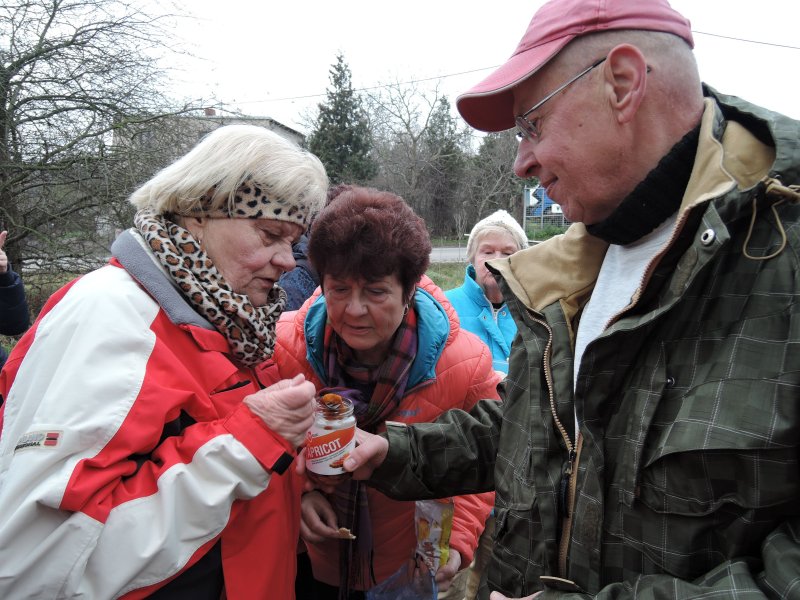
139 451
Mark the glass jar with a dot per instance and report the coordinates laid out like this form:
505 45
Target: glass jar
332 436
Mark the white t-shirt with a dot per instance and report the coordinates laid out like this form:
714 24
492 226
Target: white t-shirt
619 278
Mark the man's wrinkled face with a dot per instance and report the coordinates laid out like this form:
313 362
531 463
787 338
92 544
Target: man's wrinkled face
578 156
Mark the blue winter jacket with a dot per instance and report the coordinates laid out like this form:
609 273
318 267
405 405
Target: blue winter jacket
475 312
300 282
14 316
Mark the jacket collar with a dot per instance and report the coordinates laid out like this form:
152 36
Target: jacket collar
729 155
133 254
434 330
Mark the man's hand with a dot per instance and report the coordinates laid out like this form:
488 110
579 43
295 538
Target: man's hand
3 257
286 407
368 455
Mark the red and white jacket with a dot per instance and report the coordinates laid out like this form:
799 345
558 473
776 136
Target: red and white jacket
126 452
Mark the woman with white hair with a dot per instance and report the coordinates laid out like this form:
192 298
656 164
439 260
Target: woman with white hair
140 455
479 302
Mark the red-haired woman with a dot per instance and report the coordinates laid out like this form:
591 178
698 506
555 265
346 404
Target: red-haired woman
386 333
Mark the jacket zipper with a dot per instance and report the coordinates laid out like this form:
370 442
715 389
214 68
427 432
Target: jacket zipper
569 482
569 477
651 267
566 526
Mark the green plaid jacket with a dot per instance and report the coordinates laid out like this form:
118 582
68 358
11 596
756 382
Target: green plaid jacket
688 481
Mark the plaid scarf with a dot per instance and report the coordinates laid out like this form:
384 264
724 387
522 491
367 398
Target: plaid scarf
387 383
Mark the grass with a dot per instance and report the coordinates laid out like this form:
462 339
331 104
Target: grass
39 286
447 275
546 232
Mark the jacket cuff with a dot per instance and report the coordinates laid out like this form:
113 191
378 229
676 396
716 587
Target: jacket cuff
271 450
399 452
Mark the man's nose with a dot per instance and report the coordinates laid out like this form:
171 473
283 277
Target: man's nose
526 165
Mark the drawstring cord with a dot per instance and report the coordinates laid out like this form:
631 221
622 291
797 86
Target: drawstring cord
772 187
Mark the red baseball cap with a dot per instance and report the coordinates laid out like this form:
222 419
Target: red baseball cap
488 106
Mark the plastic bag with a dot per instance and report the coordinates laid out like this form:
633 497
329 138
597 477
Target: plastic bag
406 584
434 522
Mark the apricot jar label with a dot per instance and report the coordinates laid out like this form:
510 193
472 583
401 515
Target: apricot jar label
327 449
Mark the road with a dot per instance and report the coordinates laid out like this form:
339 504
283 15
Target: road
449 254
454 254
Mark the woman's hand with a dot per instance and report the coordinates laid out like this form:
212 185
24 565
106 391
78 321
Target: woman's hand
445 574
286 407
313 481
3 257
317 518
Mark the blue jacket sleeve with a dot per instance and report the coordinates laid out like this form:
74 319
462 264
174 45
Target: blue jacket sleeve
14 316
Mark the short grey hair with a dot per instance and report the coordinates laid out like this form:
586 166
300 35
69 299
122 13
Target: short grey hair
499 221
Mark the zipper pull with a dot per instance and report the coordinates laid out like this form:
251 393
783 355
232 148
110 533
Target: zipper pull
563 507
571 462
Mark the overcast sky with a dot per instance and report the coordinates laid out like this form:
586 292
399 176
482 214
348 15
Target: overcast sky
272 58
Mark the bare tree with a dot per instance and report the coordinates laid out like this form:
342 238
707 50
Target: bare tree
420 148
72 73
399 114
491 180
460 221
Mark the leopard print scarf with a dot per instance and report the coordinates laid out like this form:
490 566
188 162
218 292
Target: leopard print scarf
250 330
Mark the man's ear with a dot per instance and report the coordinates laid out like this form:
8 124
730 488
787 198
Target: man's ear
626 70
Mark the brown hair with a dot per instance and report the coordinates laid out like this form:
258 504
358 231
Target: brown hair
369 234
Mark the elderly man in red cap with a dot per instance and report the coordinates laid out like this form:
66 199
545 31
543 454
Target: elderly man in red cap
648 444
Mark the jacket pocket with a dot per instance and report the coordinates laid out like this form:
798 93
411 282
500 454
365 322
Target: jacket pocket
718 473
231 395
518 552
514 480
730 442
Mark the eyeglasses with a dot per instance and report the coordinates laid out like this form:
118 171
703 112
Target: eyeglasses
529 130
